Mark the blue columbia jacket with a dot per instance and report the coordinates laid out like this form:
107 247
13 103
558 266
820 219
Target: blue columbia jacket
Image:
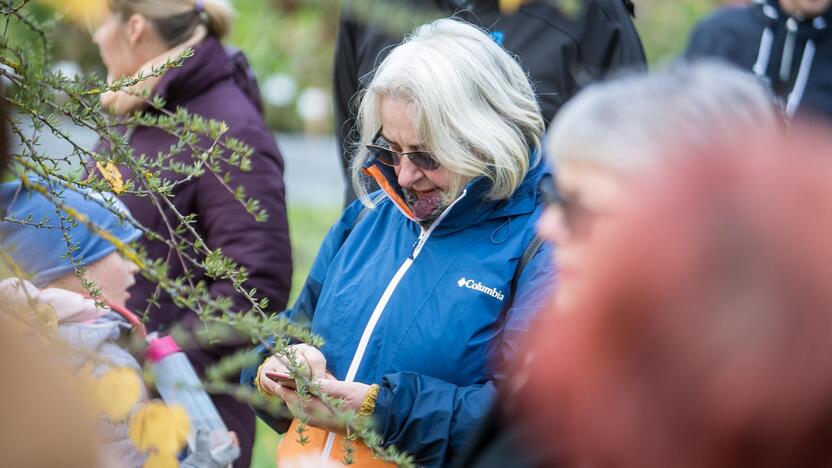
427 314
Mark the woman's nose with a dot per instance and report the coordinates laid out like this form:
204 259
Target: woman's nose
408 174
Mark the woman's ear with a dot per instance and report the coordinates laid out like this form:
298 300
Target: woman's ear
136 28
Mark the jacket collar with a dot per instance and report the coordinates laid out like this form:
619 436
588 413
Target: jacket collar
128 100
474 207
209 64
770 13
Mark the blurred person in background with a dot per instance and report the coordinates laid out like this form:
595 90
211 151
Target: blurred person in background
604 143
96 336
702 337
561 51
43 425
615 133
215 84
49 309
423 293
786 43
4 134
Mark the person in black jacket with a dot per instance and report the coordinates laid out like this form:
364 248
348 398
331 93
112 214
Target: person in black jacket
560 52
787 43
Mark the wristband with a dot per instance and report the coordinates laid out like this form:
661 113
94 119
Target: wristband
368 405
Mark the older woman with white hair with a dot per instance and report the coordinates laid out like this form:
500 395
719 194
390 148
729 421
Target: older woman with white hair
609 135
421 289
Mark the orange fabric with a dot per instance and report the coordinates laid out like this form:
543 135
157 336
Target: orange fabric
382 181
289 448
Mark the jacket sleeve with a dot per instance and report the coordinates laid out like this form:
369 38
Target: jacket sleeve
345 86
430 418
304 307
263 249
609 41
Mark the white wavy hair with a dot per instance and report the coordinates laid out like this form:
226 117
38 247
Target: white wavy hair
631 122
473 106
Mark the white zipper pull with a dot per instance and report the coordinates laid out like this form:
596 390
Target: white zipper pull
788 50
416 244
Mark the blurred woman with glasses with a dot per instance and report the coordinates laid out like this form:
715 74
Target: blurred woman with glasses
422 288
693 328
607 138
604 144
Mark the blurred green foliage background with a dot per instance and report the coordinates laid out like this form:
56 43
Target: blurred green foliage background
290 44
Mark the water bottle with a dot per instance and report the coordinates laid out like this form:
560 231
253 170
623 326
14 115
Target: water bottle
178 383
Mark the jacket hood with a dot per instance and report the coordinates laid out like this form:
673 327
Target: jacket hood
80 321
210 63
94 335
472 206
70 307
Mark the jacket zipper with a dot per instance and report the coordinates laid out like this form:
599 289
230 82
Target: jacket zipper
382 304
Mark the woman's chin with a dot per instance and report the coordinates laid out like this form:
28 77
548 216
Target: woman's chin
431 194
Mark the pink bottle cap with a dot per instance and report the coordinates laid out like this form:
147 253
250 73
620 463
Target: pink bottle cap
160 348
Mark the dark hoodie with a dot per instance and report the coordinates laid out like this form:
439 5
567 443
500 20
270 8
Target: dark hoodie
560 53
792 55
217 84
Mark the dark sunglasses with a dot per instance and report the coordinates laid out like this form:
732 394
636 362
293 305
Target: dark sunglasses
577 218
380 148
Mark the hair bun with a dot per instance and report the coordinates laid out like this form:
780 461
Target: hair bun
216 15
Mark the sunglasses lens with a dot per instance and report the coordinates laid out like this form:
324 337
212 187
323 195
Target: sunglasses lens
576 218
385 156
423 160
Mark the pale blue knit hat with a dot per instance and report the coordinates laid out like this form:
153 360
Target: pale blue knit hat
41 251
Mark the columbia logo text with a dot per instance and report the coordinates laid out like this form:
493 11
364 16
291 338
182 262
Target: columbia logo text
477 286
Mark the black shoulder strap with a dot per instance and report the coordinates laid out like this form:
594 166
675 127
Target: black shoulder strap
361 215
365 211
531 249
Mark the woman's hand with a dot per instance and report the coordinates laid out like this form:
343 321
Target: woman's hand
307 356
352 393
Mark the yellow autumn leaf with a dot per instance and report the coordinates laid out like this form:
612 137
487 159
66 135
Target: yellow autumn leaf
118 392
161 460
159 428
88 12
510 6
115 393
112 175
45 316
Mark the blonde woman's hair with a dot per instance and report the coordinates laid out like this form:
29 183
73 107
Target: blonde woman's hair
177 20
473 107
